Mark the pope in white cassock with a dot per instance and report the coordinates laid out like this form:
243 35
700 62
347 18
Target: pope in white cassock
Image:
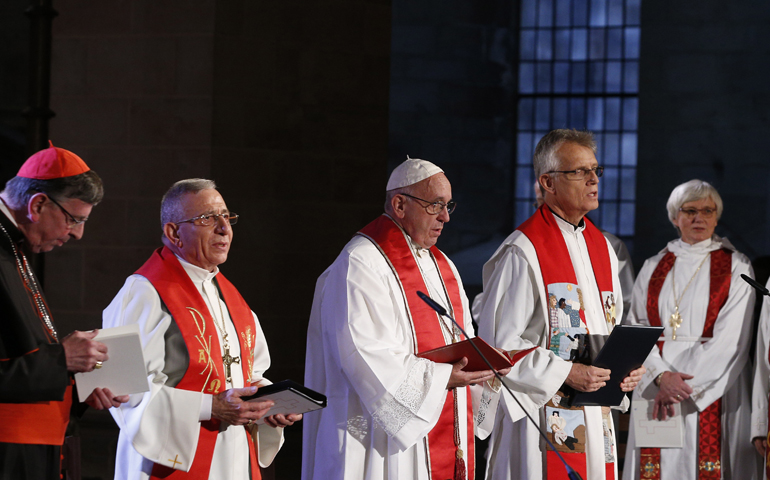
557 253
694 289
204 349
391 414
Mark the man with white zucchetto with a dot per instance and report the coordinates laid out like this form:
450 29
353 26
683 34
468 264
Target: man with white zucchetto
391 414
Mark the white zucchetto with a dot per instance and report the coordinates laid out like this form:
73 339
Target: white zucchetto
413 170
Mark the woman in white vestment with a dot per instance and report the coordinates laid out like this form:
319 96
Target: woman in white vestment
706 310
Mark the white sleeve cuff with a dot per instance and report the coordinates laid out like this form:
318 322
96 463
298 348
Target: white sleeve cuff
206 404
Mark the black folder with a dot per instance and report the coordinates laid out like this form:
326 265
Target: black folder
625 350
289 397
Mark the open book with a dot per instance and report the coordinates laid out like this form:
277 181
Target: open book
456 351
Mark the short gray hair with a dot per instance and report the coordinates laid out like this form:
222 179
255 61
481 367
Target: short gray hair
171 206
692 191
86 187
409 189
545 159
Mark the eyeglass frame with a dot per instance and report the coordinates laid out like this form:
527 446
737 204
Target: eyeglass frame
444 205
690 214
231 216
598 170
72 222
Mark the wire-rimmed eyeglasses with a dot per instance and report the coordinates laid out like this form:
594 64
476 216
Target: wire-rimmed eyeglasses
209 219
435 208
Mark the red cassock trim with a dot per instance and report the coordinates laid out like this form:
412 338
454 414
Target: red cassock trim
710 419
543 231
205 372
428 334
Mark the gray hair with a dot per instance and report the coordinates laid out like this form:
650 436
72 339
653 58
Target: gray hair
545 159
171 206
409 189
692 191
86 187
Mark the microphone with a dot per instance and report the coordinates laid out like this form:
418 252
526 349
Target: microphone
572 474
761 289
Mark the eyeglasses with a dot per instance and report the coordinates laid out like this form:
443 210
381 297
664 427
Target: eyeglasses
435 208
580 173
706 212
71 220
209 219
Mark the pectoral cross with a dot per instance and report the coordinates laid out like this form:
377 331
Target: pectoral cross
675 321
228 360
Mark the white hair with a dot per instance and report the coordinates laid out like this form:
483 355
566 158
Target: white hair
692 191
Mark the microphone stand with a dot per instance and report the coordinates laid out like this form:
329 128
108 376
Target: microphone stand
572 474
758 286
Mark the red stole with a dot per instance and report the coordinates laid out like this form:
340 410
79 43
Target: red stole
205 373
392 243
556 267
710 419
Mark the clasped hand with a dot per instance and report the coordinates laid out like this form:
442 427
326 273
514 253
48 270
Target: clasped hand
229 407
673 389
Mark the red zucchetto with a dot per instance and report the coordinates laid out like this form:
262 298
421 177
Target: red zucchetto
52 163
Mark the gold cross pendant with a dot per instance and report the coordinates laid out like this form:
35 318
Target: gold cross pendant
228 360
675 322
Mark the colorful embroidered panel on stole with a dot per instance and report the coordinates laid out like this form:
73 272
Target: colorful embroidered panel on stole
445 458
566 426
205 372
710 419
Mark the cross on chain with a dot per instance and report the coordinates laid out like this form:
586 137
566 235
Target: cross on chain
228 360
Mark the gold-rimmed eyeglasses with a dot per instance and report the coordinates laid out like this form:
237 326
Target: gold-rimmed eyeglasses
209 219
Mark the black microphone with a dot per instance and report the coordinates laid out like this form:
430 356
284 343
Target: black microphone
572 474
751 282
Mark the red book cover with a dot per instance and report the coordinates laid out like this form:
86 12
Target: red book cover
454 352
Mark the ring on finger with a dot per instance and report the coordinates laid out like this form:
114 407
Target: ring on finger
98 365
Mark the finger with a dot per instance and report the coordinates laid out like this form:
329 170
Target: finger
294 417
117 401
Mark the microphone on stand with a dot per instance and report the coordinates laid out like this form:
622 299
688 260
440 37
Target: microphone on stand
760 288
572 474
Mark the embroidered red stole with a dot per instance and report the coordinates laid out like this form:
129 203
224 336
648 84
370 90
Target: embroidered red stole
556 267
710 419
205 372
446 460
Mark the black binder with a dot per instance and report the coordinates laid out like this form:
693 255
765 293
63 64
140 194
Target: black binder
289 397
625 350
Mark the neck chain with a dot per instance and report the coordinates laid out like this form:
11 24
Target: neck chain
22 265
676 320
227 359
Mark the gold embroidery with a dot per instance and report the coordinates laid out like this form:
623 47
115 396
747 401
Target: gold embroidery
214 387
248 340
201 356
206 351
174 461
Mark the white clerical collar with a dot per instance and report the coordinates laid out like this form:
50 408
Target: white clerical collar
197 273
4 208
679 248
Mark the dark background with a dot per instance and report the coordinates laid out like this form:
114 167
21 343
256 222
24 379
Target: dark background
299 110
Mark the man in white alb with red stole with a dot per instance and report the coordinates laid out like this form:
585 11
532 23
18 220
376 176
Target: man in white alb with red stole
204 349
556 259
393 415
